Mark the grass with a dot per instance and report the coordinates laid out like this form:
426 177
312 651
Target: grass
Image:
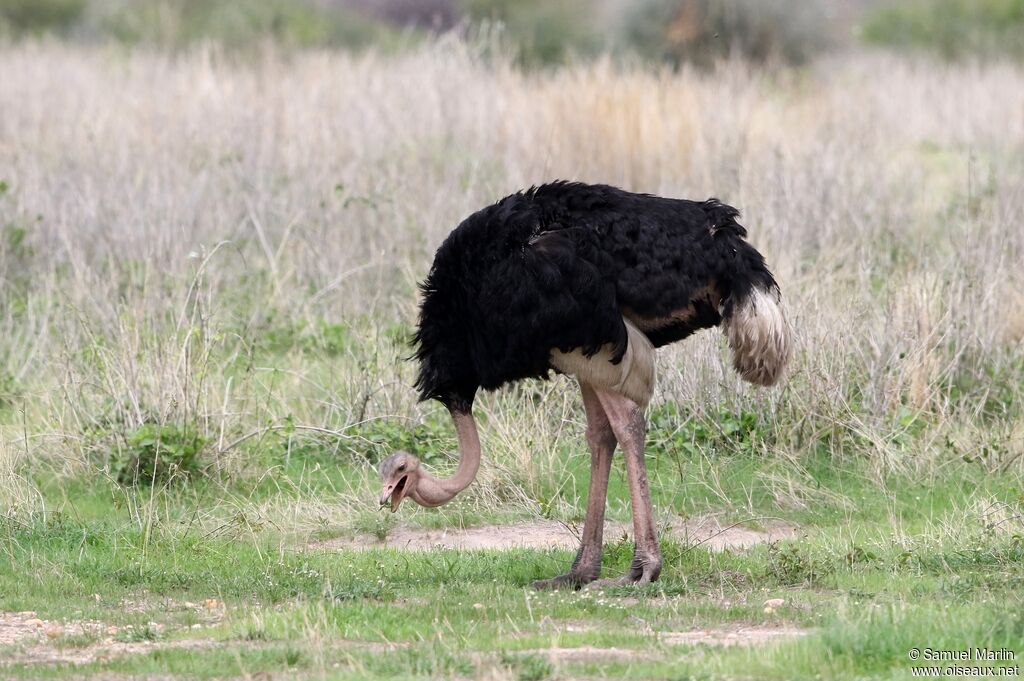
866 592
209 269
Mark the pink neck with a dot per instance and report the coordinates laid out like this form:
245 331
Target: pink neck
431 491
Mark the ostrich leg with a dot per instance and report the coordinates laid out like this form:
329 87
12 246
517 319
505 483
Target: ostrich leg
601 439
627 422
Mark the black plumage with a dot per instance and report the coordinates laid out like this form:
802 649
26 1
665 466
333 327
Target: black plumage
559 266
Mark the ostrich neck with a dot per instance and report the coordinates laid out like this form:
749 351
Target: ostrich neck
432 491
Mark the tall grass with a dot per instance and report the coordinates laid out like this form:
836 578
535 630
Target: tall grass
234 245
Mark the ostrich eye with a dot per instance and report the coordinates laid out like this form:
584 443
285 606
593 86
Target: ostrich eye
401 468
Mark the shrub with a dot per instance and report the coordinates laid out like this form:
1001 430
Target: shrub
158 454
702 31
672 431
232 24
541 32
40 16
952 28
430 441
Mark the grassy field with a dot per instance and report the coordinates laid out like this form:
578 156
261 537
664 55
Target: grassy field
209 265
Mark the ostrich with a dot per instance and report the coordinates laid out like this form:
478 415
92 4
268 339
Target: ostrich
586 280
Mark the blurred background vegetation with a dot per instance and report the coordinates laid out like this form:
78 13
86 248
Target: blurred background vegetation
543 32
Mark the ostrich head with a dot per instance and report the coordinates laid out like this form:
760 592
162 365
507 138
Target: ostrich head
400 474
403 476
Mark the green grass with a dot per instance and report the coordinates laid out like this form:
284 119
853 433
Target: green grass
906 565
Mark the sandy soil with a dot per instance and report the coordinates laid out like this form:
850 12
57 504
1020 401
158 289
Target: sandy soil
551 534
35 640
719 636
17 626
730 636
585 653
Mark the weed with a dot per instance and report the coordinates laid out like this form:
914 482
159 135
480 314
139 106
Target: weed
140 634
528 667
159 455
81 640
791 564
858 555
376 524
430 440
255 634
720 432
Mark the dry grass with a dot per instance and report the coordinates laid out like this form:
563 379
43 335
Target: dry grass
179 211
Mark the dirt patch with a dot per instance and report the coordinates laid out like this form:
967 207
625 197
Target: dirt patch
718 636
18 626
730 636
27 639
541 534
585 653
102 650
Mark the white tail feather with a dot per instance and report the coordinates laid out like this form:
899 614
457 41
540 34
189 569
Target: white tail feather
760 337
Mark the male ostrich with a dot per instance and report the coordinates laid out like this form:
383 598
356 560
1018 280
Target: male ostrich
588 281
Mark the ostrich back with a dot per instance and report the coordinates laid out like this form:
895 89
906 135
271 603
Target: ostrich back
558 267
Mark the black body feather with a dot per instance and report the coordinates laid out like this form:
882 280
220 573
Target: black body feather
557 266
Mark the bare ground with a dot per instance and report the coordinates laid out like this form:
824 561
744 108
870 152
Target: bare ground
730 635
31 640
707 531
716 636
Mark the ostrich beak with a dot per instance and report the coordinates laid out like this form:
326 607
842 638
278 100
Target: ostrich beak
394 493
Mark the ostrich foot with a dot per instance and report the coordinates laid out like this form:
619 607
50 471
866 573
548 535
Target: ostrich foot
643 570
